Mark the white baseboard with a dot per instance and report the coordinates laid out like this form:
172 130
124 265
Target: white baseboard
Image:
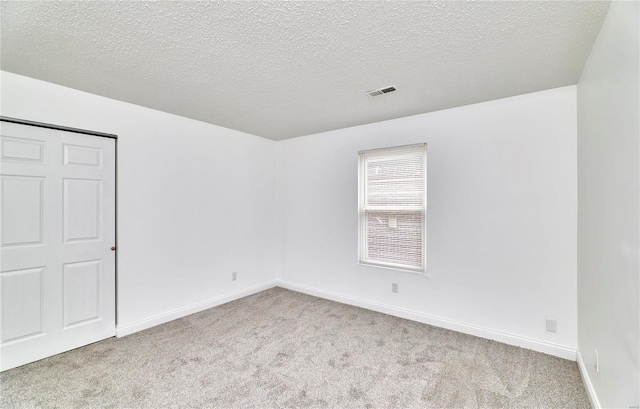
595 403
507 338
560 351
124 330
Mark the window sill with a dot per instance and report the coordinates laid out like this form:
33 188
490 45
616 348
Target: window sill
388 267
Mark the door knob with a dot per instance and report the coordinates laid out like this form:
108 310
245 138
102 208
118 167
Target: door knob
113 248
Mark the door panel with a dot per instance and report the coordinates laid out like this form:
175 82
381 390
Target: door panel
81 292
82 156
22 210
22 304
81 209
57 270
23 150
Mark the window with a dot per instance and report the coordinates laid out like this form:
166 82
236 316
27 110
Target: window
392 205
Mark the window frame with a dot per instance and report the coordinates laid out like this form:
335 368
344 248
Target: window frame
363 259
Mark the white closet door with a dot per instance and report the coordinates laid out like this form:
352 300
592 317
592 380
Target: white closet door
57 269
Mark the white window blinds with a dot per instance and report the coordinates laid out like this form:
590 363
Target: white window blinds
392 205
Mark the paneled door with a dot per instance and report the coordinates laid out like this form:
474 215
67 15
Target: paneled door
57 266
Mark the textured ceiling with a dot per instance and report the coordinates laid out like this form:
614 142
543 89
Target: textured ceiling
286 69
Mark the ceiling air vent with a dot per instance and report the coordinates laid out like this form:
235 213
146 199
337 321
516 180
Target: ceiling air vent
380 91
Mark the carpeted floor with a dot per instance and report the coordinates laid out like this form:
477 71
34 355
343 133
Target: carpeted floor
282 349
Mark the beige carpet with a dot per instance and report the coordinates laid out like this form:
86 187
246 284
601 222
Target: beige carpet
282 349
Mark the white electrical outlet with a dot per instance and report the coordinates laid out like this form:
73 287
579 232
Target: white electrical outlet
552 325
597 360
394 287
234 276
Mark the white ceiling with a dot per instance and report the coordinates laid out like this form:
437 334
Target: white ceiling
286 69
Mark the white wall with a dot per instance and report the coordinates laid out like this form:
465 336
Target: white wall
609 209
501 219
195 201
